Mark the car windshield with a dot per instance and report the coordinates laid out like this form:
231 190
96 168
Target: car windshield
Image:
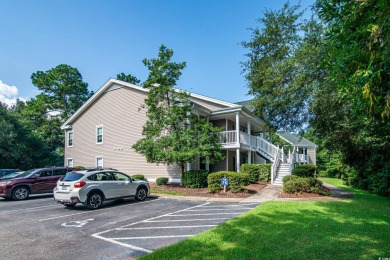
72 176
28 173
11 175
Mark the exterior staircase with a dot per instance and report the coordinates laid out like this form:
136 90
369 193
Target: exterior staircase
283 170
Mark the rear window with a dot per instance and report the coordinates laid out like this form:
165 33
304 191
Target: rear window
72 177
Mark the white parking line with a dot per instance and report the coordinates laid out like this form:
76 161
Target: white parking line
167 227
103 209
131 238
211 214
98 235
231 206
217 209
178 220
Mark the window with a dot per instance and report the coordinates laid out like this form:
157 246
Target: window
70 139
99 134
99 162
101 176
59 172
70 162
120 176
45 173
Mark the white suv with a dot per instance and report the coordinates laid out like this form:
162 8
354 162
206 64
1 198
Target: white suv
91 188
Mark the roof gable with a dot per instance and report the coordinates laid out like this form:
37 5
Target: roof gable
296 140
114 83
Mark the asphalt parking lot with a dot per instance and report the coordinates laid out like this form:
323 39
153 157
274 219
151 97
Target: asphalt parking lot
39 228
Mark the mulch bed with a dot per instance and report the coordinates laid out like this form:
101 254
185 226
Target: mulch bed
305 194
203 192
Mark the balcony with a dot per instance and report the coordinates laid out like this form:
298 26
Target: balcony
248 142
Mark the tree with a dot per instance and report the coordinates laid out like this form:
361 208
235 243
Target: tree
172 134
352 106
63 89
282 70
128 78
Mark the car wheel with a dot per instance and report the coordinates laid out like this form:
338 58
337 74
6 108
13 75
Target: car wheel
141 194
95 201
70 205
20 193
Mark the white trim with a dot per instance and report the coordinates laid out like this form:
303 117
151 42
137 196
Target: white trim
67 138
96 135
67 162
96 161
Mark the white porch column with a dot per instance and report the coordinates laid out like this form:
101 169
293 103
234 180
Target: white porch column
238 159
238 141
207 164
227 160
238 128
250 142
188 166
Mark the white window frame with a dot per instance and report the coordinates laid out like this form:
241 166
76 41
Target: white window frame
67 137
69 160
96 136
96 161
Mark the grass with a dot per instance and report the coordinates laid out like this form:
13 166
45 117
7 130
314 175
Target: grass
358 228
167 192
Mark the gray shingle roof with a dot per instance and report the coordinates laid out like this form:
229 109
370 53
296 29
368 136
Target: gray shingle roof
296 140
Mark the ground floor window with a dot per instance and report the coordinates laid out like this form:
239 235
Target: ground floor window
99 162
70 162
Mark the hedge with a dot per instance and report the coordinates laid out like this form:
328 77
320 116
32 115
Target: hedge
257 172
138 177
306 170
195 178
237 180
162 181
294 184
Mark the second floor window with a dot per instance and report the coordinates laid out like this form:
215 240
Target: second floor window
70 139
99 134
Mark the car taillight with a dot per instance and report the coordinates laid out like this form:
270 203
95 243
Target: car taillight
79 184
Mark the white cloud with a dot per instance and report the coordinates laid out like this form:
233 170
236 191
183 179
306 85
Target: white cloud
9 94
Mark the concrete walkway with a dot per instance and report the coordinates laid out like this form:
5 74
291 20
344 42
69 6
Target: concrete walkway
269 193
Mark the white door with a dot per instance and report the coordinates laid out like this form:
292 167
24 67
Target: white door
125 186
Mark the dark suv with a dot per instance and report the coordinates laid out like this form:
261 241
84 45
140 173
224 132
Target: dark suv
35 181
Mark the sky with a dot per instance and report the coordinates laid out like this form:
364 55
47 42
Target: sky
104 38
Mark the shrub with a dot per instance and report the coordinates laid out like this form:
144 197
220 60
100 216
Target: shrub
237 180
323 174
195 178
162 181
294 184
306 170
257 172
139 177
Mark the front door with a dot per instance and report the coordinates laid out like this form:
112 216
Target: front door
43 182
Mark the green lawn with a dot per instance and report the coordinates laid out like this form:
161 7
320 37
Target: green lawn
167 192
358 228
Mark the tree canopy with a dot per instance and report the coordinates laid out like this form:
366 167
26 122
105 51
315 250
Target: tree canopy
172 133
282 67
62 88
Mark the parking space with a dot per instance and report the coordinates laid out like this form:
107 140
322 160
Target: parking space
39 228
160 231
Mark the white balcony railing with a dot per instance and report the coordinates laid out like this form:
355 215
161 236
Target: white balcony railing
228 137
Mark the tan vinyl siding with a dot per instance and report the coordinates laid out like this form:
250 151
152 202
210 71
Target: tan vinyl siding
118 112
